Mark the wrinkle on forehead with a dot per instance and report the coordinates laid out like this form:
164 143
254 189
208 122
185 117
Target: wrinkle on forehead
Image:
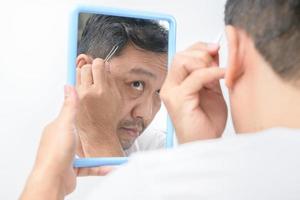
142 71
161 58
133 57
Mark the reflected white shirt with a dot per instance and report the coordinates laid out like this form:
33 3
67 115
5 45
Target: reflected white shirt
150 139
250 166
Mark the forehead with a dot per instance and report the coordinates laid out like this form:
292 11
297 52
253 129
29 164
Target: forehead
139 62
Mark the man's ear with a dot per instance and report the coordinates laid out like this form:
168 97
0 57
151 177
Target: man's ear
83 59
234 66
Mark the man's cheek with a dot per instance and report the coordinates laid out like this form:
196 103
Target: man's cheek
150 119
125 112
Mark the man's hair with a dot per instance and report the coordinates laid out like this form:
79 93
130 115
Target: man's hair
102 32
274 26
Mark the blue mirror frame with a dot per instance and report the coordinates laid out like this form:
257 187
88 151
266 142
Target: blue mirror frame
104 161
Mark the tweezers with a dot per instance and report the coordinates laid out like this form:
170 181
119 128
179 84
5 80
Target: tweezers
111 53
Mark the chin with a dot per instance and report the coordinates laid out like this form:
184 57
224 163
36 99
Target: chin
126 144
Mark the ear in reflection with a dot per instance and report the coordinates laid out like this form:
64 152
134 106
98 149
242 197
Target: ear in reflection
119 96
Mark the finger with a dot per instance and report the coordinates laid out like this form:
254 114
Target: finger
69 109
196 80
78 77
198 56
185 63
214 86
98 70
210 47
95 171
216 60
86 75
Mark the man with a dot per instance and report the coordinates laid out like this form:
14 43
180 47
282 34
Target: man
262 75
117 104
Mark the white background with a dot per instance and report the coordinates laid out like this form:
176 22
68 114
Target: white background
33 66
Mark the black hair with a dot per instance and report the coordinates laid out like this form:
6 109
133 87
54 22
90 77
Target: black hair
102 32
274 26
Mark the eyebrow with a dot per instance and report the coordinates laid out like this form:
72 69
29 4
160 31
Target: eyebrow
141 71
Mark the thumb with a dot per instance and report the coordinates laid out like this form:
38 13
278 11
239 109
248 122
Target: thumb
196 81
70 106
211 48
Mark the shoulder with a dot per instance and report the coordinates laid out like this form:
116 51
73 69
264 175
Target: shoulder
246 148
250 162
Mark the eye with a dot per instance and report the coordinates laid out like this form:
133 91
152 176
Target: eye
138 85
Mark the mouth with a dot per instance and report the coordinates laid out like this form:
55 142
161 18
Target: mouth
133 132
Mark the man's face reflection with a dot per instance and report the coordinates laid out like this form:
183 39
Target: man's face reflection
139 75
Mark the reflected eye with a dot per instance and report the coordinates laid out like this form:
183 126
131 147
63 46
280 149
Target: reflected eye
138 85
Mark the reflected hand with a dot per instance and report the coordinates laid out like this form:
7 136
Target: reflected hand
100 103
193 96
53 175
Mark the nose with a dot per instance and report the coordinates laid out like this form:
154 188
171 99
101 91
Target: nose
144 109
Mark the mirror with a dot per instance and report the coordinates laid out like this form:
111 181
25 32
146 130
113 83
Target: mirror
121 61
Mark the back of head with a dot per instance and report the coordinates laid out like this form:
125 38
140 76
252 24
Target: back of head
102 32
274 26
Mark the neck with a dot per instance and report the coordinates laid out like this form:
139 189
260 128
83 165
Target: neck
279 105
273 101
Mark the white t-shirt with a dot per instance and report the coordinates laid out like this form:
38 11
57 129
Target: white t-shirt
151 139
256 166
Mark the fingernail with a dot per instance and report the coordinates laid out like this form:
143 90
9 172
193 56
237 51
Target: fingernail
213 46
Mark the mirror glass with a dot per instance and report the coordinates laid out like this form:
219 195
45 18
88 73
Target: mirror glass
121 65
